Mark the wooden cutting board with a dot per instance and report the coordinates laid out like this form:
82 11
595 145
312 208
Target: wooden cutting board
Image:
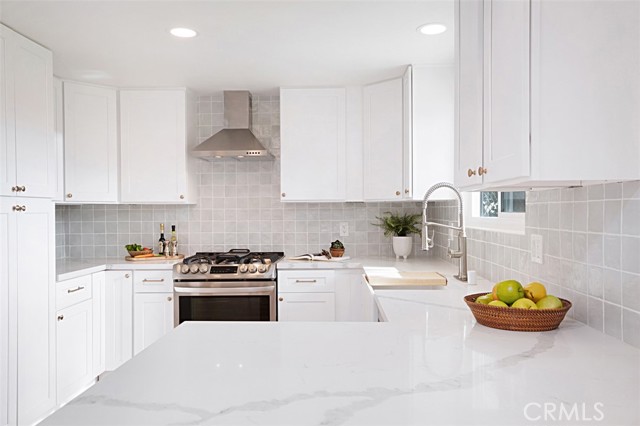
144 259
405 280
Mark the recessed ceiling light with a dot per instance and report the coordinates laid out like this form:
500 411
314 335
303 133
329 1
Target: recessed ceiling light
432 29
183 32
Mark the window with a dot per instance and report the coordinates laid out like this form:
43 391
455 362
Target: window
497 211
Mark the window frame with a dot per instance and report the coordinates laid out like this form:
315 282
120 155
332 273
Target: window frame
510 223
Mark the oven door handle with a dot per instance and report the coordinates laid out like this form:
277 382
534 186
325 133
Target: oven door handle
224 291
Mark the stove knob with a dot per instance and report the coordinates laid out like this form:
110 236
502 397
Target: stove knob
253 268
243 268
203 268
263 268
184 268
194 268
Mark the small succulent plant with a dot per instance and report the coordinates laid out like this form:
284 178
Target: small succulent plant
337 245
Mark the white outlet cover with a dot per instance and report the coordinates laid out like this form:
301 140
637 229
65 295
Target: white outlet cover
536 248
344 229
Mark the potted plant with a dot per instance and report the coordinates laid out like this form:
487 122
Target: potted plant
336 249
400 226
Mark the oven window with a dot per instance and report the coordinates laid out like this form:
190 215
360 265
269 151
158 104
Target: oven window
223 308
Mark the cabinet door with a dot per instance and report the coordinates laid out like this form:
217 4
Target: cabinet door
6 260
74 350
469 96
32 94
98 282
433 128
306 307
383 141
153 146
91 143
7 129
407 133
506 90
153 318
119 318
35 302
313 144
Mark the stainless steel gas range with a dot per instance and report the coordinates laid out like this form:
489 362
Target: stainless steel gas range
238 285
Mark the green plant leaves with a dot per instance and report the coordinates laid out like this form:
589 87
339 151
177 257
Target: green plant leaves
398 225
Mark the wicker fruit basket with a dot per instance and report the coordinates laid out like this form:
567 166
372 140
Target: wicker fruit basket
517 319
140 252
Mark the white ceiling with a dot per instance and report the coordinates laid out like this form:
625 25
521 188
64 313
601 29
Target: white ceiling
257 45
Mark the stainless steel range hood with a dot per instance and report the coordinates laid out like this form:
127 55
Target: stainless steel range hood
236 140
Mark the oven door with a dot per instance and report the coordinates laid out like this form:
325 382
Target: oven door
224 301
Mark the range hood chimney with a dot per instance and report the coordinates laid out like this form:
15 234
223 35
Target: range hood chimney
236 140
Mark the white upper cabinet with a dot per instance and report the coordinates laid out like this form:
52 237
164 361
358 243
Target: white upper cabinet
384 142
90 143
27 140
560 97
313 144
432 128
156 135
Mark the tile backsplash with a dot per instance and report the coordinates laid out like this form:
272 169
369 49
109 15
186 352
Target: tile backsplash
591 235
591 250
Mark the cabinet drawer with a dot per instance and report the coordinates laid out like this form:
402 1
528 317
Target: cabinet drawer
153 281
306 307
306 281
73 291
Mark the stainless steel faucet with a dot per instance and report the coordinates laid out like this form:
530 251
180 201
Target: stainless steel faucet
428 241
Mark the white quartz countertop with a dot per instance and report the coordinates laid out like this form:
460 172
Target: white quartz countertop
73 268
430 364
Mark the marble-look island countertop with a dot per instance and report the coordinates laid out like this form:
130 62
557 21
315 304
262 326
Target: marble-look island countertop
430 364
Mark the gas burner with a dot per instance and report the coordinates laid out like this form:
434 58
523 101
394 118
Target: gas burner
237 264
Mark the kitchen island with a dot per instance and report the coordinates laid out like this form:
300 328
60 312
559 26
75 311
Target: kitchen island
431 363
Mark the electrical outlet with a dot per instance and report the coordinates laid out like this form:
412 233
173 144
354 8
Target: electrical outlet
344 229
536 248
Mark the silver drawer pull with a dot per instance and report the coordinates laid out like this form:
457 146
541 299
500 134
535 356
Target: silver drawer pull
305 281
161 280
73 290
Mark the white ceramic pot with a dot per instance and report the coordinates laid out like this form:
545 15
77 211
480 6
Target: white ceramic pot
402 246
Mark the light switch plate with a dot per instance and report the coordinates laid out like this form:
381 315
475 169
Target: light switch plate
344 229
536 248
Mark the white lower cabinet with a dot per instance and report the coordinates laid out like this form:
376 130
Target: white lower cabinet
74 350
305 295
152 307
325 295
306 307
152 319
27 309
118 318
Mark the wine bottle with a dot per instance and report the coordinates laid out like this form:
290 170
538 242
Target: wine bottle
173 250
162 243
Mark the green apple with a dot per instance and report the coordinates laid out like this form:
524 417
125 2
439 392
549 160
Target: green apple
509 291
498 303
524 303
485 299
549 302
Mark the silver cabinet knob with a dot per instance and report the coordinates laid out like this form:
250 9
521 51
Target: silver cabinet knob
181 197
22 188
281 299
397 192
60 317
14 189
69 195
406 191
283 194
16 208
169 299
127 275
